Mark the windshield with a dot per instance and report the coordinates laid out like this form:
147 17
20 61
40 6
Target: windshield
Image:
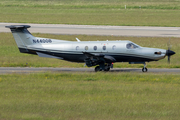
131 46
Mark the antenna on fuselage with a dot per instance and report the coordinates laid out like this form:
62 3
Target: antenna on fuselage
78 40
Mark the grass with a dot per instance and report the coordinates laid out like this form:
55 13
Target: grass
11 57
87 96
116 4
152 13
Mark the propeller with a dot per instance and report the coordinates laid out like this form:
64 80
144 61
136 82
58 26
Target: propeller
169 52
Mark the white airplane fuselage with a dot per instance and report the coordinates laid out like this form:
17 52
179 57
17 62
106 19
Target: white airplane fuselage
73 51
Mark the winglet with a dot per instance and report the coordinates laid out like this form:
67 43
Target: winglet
78 40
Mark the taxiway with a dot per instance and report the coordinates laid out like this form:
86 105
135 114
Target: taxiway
140 31
22 70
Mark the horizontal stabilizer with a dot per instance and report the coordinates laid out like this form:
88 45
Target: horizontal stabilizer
18 26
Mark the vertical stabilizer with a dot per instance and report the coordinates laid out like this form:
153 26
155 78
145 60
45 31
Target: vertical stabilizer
22 36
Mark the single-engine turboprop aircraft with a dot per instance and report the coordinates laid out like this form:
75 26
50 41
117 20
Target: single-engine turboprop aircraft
101 54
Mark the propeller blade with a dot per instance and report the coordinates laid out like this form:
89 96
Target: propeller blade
169 44
169 52
169 59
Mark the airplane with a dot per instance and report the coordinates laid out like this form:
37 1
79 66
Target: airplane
102 54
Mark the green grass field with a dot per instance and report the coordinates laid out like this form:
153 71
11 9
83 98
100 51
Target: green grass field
101 12
11 57
87 96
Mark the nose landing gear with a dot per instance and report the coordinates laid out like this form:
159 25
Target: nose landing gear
144 69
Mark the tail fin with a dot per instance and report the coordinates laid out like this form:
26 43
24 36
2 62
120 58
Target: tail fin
22 36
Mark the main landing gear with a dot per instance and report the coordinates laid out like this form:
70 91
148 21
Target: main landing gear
97 68
103 68
144 69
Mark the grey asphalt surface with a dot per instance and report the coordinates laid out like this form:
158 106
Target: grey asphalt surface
141 31
22 70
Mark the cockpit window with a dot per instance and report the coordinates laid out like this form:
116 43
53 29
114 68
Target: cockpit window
131 46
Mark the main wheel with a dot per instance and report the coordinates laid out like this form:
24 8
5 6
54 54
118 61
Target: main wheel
97 68
107 68
144 69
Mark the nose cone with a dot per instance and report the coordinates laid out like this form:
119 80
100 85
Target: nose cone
169 52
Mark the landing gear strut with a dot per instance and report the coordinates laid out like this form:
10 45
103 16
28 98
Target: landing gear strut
144 69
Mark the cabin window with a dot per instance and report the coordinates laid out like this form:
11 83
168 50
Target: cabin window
86 47
104 47
113 47
50 40
95 47
131 46
77 47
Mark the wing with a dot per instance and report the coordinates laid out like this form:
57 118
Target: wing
100 57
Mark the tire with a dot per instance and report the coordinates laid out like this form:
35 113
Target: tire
107 69
97 68
144 69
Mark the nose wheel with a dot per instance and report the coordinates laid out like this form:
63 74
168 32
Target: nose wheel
144 69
